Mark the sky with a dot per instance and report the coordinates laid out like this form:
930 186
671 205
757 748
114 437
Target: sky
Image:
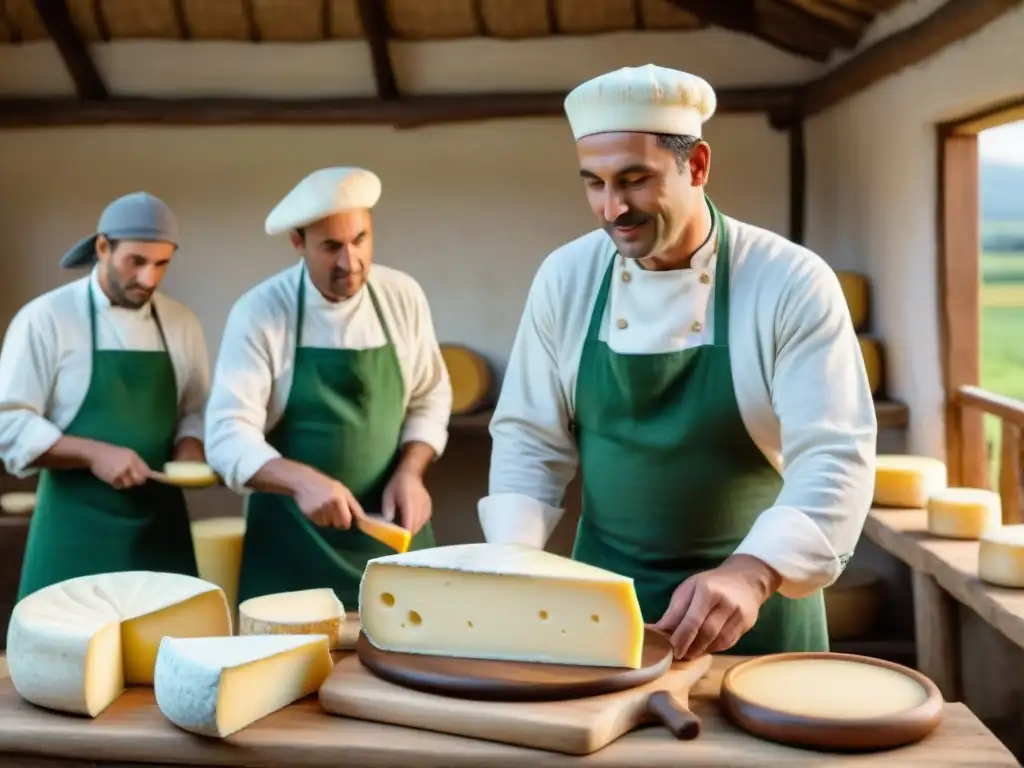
1004 143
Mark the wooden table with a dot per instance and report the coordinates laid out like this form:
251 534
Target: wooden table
961 740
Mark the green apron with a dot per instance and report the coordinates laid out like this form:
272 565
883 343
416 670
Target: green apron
344 417
672 482
83 526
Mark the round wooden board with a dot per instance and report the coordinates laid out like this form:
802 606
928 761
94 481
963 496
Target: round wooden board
825 733
488 680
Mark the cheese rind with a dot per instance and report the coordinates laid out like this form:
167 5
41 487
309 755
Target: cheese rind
1001 556
218 545
216 686
907 481
501 601
963 513
73 646
304 612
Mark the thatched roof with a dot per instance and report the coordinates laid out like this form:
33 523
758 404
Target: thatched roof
813 28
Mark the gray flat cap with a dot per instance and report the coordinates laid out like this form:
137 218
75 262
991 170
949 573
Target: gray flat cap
136 216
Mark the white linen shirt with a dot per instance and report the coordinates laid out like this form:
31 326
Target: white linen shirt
798 374
46 364
253 376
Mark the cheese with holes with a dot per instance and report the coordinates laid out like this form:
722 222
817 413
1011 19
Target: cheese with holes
907 481
501 601
963 513
1001 556
855 291
871 351
73 646
218 545
216 686
305 612
389 534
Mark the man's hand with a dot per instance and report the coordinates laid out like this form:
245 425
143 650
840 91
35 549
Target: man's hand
325 501
406 494
118 467
711 611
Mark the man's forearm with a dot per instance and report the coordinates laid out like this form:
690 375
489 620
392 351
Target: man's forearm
416 457
68 453
282 476
189 449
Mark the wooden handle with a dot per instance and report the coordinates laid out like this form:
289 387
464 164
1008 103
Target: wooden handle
678 719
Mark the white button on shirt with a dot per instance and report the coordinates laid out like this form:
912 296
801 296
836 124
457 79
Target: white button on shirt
46 364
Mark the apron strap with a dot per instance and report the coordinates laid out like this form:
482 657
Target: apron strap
597 315
723 248
301 312
92 321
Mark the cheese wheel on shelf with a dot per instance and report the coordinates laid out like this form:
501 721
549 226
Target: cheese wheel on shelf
74 645
218 545
471 378
18 502
874 363
304 612
507 602
963 513
1001 556
216 686
855 291
907 481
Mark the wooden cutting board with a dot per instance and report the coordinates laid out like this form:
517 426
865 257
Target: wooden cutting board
575 726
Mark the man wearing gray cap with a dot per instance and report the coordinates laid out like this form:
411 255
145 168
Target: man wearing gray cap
102 381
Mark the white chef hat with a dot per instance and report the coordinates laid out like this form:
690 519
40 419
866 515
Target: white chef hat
647 99
321 194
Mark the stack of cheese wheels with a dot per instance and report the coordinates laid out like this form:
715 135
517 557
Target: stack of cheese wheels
1001 556
305 612
871 351
471 378
963 513
852 603
218 545
907 481
855 290
18 502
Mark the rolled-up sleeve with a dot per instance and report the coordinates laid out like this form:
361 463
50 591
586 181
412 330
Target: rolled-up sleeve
236 415
28 369
826 413
430 401
196 392
533 456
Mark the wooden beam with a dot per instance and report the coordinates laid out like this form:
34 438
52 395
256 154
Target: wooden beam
378 30
1001 113
797 181
405 112
954 21
60 26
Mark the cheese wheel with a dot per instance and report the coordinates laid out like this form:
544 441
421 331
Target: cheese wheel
216 686
852 603
73 646
218 545
470 376
963 513
1001 556
190 473
855 291
18 502
871 350
305 612
508 602
829 688
907 481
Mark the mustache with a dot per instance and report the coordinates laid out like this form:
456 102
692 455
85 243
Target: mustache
630 218
343 274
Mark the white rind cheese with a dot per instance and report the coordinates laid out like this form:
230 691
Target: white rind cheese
216 686
501 601
963 513
73 646
1001 556
305 612
907 481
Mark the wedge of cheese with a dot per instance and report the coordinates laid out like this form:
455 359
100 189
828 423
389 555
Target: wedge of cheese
1001 556
216 686
73 646
389 534
218 545
907 481
501 601
963 513
305 612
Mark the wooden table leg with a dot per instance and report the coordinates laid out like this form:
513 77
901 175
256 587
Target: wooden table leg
937 633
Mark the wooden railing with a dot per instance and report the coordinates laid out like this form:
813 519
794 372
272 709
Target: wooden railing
1010 412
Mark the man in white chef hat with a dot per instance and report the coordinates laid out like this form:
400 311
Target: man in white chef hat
330 396
102 381
704 375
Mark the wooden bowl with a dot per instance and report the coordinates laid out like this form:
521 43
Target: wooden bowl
766 713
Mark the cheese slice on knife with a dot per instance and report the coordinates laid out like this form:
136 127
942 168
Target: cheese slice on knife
190 473
501 601
305 612
389 534
216 686
73 646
